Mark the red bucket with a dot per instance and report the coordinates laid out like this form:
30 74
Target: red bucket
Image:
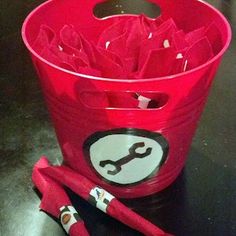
130 152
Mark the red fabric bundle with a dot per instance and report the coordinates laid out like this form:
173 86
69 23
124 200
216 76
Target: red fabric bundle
56 202
48 178
132 48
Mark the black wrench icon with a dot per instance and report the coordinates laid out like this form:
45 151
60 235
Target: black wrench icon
124 160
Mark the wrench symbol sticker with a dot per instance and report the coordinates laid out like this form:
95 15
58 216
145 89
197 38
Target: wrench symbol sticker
126 159
126 156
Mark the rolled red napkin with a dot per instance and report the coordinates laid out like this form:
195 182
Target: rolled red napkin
101 199
56 202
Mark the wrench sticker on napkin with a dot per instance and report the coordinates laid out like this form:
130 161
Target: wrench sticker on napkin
126 156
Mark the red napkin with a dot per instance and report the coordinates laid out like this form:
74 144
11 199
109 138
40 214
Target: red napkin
46 37
150 24
71 43
162 60
197 54
56 202
70 51
122 100
111 33
130 100
108 63
214 36
101 199
195 35
123 39
114 99
161 38
179 41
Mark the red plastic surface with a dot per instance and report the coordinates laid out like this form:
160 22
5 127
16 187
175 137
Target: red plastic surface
176 120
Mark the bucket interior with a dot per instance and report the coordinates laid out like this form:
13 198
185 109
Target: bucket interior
188 15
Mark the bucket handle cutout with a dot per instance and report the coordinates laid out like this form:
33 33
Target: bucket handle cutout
124 100
105 8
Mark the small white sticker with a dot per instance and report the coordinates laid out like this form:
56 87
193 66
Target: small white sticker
107 44
185 65
69 216
179 56
166 43
150 36
100 198
143 102
60 48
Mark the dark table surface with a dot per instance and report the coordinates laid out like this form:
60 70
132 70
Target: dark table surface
202 201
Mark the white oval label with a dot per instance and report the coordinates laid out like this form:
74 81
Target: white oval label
126 156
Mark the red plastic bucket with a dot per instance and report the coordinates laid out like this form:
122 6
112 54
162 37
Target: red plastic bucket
130 152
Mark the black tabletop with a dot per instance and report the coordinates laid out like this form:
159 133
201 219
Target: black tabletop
202 201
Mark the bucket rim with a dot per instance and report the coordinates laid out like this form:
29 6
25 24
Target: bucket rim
129 81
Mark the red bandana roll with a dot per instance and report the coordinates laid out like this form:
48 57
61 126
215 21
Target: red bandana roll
56 202
100 198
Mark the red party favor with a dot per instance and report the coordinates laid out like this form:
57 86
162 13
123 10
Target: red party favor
101 199
56 202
